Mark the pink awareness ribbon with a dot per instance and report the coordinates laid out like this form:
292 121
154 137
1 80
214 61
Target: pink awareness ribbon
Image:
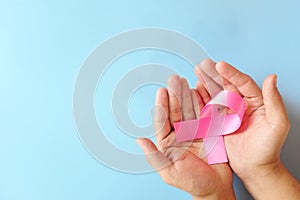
213 125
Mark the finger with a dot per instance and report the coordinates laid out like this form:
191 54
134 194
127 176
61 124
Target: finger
174 92
209 77
186 101
214 76
275 109
156 159
203 93
197 103
209 68
161 121
227 85
244 83
208 71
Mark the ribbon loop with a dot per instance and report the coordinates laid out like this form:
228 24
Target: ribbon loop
213 125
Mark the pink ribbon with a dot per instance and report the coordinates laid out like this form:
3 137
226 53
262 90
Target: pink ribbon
213 125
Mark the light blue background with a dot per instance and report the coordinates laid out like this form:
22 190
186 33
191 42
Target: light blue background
43 44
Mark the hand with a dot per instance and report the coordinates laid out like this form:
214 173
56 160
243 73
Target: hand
180 164
265 125
254 150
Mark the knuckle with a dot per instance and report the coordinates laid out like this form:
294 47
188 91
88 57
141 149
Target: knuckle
175 110
187 110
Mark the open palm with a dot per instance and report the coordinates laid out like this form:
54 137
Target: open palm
181 164
265 125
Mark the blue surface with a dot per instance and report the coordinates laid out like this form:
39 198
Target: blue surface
43 44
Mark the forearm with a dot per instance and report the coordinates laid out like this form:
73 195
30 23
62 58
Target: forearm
273 183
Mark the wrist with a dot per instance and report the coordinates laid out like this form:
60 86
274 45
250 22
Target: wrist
225 194
273 183
264 180
263 172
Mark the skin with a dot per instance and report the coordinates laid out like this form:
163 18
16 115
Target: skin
180 164
253 151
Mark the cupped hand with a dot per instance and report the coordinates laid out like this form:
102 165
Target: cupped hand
254 150
181 164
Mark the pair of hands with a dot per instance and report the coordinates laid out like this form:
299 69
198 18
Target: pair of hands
253 151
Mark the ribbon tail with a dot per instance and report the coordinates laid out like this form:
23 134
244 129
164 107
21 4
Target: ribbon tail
215 150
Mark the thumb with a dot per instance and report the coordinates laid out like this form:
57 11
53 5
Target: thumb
274 105
154 157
